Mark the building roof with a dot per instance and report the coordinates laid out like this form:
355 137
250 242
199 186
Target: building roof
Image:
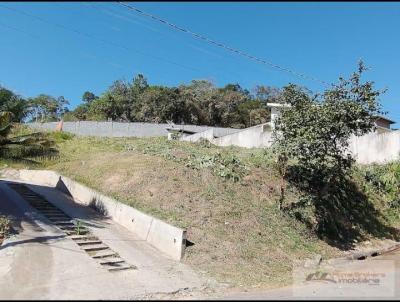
385 118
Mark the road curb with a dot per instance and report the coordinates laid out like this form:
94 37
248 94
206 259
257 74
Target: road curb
363 255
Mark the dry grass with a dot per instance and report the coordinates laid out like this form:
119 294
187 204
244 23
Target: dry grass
239 235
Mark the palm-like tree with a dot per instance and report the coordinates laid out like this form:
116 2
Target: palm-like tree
23 147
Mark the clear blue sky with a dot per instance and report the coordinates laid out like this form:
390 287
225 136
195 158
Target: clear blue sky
324 40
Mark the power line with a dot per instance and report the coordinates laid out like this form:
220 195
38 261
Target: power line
222 45
58 46
170 35
90 36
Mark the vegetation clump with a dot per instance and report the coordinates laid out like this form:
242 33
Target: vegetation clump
23 147
312 139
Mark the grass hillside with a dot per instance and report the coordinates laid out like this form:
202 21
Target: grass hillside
227 198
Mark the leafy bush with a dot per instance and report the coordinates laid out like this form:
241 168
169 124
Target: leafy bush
385 181
226 166
59 136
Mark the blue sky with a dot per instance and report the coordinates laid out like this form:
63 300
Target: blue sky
323 40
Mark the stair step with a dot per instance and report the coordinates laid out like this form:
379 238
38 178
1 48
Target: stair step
95 247
86 242
46 207
70 227
83 237
116 260
62 222
73 232
104 254
120 268
54 219
52 212
59 217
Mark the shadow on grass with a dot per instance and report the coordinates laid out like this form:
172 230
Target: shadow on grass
342 214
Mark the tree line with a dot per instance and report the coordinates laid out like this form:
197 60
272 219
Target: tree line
199 103
42 108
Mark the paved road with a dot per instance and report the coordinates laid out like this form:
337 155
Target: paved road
387 266
42 263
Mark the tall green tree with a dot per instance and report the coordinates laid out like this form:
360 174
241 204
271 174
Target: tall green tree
88 97
13 103
315 129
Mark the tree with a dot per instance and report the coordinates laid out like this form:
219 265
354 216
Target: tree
159 104
253 112
13 103
200 102
43 108
88 97
61 107
81 112
314 131
267 93
312 141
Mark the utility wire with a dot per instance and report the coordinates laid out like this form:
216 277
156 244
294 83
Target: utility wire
90 36
221 45
170 35
57 46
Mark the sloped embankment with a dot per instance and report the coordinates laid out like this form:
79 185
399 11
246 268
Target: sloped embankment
226 198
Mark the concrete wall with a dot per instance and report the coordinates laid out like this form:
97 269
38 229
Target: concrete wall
116 129
253 137
376 147
163 236
208 134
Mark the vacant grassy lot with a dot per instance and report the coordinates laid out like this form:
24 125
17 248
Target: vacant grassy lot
226 198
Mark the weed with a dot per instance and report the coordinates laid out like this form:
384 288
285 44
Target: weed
5 226
78 227
226 166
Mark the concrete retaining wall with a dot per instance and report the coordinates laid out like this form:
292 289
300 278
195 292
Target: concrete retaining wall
376 147
163 236
208 134
253 137
116 129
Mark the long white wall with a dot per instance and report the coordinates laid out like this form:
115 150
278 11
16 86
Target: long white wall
117 129
370 148
367 149
376 148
